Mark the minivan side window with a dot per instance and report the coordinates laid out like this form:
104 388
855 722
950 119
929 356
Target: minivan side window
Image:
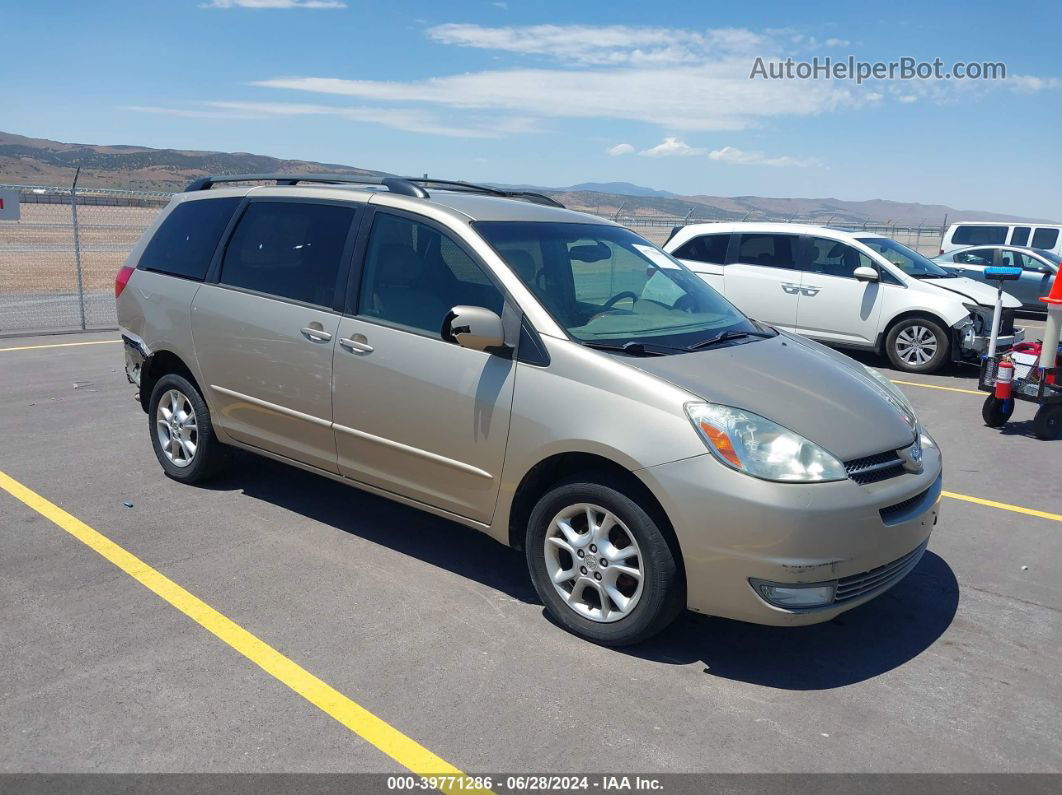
833 258
770 251
1045 238
705 248
414 275
976 235
1019 236
184 244
288 249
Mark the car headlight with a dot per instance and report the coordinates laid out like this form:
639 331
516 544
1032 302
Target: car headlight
897 398
756 446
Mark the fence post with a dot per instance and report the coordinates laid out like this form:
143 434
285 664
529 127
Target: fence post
77 249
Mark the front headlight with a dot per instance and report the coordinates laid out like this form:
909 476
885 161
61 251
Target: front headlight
895 396
756 446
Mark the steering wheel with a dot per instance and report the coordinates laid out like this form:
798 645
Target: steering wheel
617 298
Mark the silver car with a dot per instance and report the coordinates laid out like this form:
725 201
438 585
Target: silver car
544 376
1037 265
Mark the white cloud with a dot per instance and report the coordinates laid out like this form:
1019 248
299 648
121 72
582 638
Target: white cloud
671 147
730 154
619 149
838 43
273 4
715 96
602 44
409 120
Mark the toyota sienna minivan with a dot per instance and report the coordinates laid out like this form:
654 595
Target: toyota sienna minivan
544 376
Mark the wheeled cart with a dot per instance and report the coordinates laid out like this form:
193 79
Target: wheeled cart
1042 385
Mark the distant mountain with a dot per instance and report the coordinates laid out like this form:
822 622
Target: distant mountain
616 188
38 161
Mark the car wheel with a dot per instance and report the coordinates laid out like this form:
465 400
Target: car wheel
1047 424
917 345
601 564
181 433
995 412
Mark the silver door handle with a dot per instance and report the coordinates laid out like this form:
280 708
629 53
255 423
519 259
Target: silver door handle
790 289
810 291
356 345
317 334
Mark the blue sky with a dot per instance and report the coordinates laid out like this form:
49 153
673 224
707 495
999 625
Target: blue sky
655 93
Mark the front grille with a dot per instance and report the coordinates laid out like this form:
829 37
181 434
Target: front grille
891 513
874 468
878 579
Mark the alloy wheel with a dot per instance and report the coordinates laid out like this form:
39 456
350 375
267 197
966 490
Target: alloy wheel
594 562
176 427
916 345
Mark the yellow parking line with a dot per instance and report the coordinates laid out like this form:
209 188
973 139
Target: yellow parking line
60 345
1003 506
404 750
942 388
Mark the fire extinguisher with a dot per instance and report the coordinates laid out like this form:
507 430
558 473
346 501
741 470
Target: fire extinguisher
1004 376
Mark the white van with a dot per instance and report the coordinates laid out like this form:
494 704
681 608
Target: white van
1047 237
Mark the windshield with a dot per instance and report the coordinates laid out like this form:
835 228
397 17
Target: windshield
605 284
908 260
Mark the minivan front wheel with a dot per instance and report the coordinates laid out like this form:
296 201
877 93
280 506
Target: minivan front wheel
181 433
917 345
601 565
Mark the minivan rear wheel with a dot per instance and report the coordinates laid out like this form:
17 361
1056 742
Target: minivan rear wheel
181 432
917 345
601 564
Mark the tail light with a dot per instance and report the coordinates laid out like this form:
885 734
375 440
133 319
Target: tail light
122 279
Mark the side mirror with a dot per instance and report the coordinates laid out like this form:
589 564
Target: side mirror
866 274
474 327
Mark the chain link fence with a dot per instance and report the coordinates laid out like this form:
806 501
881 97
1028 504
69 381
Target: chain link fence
58 261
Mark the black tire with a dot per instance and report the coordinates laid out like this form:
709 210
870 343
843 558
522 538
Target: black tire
209 455
1047 424
662 594
909 327
995 412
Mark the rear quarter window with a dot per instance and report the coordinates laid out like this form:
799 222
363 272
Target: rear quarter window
185 242
1045 238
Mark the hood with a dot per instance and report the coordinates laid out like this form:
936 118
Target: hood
972 290
819 393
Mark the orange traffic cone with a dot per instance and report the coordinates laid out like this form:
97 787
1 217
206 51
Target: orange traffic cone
1053 327
1055 296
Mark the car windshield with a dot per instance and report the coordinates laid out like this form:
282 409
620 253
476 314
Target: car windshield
609 287
908 260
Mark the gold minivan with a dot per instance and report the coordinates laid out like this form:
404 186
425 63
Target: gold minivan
544 376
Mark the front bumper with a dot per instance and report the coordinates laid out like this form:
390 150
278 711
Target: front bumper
736 532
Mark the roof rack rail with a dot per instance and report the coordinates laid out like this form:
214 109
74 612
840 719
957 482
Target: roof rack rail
406 186
472 187
393 184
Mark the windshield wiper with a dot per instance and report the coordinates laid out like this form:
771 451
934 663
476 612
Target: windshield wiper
726 336
633 347
935 275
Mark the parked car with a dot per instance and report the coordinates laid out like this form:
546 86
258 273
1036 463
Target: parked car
853 290
1038 269
544 376
993 233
